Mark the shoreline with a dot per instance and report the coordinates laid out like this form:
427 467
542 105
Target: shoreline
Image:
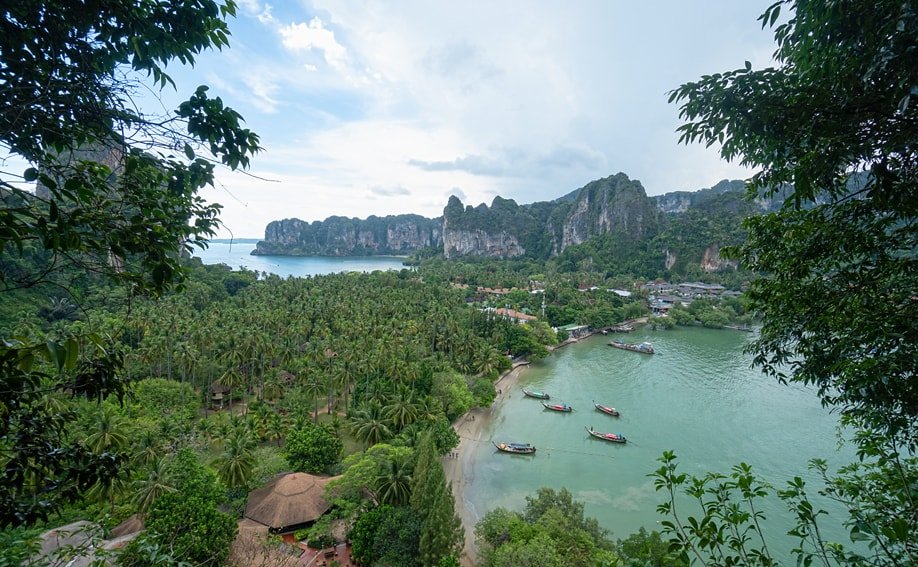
457 470
469 427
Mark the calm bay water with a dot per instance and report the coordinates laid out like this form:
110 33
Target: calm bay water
698 396
238 255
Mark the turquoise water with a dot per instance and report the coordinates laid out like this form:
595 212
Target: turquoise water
238 255
698 396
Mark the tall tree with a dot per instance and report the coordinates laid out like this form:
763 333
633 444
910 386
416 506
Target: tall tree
113 198
833 129
432 501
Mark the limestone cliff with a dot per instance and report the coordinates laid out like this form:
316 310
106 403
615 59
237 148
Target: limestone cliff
610 220
614 205
341 236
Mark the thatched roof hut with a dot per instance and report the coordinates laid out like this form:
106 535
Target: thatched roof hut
289 502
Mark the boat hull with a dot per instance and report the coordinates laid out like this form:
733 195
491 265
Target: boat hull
562 409
538 395
610 437
515 448
631 347
607 410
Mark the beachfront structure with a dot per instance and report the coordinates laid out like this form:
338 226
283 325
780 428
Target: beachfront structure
511 314
575 331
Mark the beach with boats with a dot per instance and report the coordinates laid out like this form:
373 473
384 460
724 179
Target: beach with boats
700 398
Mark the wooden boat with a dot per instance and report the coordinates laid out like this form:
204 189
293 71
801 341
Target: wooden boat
558 407
518 448
643 348
607 410
613 437
536 394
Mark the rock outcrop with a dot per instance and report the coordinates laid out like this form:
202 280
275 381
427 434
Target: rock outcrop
612 216
340 236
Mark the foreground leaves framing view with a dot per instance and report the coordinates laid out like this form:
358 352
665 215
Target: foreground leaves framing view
106 396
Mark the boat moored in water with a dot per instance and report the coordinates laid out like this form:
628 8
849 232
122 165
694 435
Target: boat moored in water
607 410
536 394
558 407
518 448
612 437
643 348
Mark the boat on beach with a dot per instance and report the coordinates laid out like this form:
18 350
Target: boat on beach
607 409
518 448
612 437
558 407
643 348
536 394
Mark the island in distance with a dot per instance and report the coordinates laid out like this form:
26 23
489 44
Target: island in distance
615 208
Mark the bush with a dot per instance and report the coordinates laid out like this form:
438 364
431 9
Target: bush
312 448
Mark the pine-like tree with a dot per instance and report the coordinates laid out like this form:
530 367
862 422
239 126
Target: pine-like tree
432 501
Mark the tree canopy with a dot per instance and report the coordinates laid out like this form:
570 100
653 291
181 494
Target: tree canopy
117 195
832 128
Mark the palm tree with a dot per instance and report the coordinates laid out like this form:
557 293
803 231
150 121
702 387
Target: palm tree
158 481
238 459
108 435
147 448
369 425
393 485
402 411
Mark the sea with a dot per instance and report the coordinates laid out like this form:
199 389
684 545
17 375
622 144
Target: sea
237 254
699 396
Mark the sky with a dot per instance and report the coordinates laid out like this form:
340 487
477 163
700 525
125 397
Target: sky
378 108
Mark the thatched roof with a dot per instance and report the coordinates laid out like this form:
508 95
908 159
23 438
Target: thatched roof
288 500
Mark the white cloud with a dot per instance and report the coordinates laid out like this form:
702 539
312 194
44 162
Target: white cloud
314 35
367 108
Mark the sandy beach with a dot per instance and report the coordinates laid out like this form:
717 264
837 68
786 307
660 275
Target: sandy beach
469 428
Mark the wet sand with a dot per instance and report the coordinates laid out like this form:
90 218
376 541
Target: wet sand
457 469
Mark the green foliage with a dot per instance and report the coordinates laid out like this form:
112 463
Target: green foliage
432 502
451 389
386 536
111 200
186 522
552 521
312 448
646 549
361 473
158 398
483 392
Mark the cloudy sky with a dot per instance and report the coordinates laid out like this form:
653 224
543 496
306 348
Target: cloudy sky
376 108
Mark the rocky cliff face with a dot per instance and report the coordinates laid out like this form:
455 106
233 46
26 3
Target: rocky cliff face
678 230
340 236
614 205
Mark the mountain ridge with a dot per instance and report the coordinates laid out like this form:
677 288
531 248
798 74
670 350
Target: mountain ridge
672 229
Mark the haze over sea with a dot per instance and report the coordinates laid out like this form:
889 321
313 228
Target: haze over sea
237 254
699 396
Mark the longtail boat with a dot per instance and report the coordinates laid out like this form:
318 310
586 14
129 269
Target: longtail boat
613 437
558 407
518 448
643 348
606 409
536 394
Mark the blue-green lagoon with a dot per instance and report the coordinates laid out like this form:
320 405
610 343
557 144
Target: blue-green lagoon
698 396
